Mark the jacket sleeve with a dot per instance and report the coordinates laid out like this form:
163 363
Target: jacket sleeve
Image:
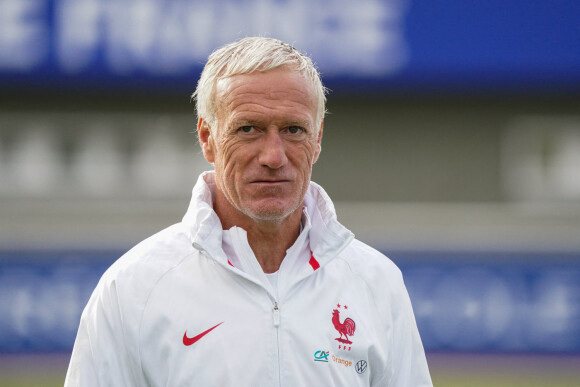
100 354
408 366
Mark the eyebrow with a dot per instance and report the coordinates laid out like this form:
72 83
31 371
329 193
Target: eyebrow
243 122
303 123
252 122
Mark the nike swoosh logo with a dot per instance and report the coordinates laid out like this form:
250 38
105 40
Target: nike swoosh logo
187 341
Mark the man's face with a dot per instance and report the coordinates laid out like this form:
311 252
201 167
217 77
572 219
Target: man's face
265 142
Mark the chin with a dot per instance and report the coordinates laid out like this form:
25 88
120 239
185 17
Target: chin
273 215
269 216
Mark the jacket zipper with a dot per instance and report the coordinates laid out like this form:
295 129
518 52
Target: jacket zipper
275 313
276 321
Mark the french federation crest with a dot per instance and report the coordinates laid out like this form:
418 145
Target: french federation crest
345 328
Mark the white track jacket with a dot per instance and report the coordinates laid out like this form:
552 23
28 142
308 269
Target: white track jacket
190 306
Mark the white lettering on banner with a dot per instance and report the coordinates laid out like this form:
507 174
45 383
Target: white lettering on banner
359 35
507 308
77 33
172 37
38 303
23 34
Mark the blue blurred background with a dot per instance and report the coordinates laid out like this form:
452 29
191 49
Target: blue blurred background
452 145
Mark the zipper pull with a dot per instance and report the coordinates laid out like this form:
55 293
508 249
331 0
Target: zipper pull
276 316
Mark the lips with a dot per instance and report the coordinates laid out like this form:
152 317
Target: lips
270 187
270 180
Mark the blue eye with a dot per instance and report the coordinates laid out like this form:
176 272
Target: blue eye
295 130
246 129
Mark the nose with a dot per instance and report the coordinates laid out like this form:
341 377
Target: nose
273 152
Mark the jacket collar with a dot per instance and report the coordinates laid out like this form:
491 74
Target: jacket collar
327 236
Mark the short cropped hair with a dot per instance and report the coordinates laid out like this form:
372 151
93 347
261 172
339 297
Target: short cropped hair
249 55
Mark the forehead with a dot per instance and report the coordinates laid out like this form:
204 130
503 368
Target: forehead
275 93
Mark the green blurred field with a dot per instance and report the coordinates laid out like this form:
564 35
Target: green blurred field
485 370
447 370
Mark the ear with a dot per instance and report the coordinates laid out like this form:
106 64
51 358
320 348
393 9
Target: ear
318 142
206 140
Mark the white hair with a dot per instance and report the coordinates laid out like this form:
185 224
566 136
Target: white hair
249 55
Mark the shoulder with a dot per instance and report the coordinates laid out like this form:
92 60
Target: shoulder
381 276
136 273
371 264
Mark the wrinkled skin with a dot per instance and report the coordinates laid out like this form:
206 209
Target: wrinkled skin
263 147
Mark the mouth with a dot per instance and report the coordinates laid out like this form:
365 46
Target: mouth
270 183
281 181
270 180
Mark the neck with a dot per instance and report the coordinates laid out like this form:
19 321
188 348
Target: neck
269 240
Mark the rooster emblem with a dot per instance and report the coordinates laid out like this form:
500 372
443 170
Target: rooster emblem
345 328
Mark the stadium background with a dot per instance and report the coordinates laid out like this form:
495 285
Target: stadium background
452 145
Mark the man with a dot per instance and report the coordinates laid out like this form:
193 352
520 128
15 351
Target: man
259 285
